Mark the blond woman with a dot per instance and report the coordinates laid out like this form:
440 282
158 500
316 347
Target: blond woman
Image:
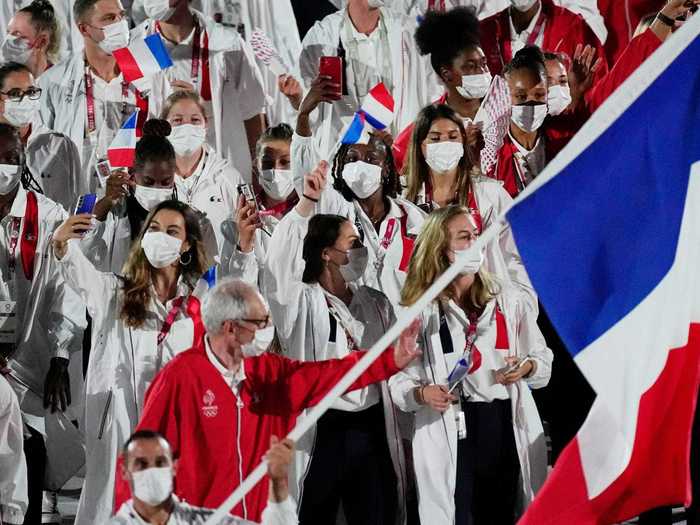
478 443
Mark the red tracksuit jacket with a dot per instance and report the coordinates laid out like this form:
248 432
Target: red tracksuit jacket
213 437
563 31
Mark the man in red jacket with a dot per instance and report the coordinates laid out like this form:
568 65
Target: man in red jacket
218 409
535 22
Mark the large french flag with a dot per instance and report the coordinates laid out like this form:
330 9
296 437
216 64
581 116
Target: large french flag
610 237
122 150
144 57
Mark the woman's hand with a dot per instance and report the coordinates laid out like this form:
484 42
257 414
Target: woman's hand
406 348
247 221
73 227
436 397
583 68
323 89
181 85
118 184
524 370
290 88
314 184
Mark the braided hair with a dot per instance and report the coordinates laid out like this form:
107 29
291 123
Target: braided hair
391 182
27 180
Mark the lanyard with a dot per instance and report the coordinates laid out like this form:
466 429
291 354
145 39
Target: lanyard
29 237
90 97
531 39
141 103
200 55
169 320
352 345
436 5
471 205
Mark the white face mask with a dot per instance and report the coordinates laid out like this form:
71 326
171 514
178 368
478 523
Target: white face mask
187 138
116 37
15 49
475 86
443 156
161 249
356 265
523 5
260 343
278 184
558 99
375 3
21 113
9 177
472 263
158 9
153 485
529 118
149 197
362 178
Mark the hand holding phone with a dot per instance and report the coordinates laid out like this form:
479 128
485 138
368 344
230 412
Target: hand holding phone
332 67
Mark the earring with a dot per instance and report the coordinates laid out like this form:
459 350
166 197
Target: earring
189 258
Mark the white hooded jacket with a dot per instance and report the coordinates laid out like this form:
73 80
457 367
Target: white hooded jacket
435 436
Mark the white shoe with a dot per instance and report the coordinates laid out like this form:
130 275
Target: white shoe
49 509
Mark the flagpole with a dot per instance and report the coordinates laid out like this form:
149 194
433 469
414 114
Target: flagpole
403 322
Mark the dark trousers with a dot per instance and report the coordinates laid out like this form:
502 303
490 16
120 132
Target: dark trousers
488 468
35 454
350 465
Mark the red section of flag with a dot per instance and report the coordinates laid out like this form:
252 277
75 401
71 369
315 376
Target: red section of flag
382 95
658 473
127 64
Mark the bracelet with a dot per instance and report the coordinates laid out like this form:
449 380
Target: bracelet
310 198
421 399
666 20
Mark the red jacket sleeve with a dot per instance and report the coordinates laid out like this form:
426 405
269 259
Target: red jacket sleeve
636 52
309 381
159 414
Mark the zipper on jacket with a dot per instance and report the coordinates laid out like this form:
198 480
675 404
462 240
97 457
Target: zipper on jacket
104 414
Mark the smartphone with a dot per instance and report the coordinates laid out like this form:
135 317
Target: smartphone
103 170
333 67
86 203
247 191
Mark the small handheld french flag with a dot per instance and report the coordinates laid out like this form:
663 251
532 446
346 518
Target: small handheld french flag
357 132
377 110
143 58
122 150
378 107
206 282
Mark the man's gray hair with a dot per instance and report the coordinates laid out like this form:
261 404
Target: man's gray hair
226 301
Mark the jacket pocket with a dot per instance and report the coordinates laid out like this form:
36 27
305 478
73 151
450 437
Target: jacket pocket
103 420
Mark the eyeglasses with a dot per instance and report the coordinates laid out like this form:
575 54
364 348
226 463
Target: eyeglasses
16 94
259 323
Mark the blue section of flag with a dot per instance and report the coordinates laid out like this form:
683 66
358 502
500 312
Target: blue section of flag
354 132
160 53
595 240
374 122
458 373
210 276
131 121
